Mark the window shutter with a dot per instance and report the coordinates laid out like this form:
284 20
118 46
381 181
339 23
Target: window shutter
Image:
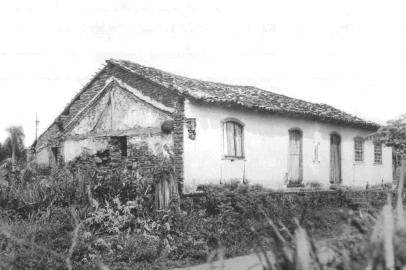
238 140
230 139
233 139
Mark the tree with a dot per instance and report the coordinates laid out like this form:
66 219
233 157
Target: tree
394 135
5 151
15 143
2 153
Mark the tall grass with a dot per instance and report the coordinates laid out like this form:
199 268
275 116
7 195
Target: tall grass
383 244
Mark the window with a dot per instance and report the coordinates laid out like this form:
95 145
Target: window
358 149
378 153
119 143
233 139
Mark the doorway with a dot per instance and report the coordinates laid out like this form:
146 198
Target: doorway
295 161
335 158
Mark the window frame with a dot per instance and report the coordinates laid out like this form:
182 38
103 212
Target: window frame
380 162
235 122
360 151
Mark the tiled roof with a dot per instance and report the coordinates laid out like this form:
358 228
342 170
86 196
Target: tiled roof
244 96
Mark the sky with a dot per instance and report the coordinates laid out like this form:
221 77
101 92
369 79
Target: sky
349 54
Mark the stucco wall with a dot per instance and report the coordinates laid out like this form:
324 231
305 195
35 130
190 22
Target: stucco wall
147 88
118 110
42 157
72 148
266 141
117 113
155 143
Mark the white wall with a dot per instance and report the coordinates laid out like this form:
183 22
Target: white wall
42 157
266 141
117 110
74 148
124 111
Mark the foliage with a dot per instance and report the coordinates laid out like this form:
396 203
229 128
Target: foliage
394 134
119 227
124 185
35 242
111 218
138 248
15 142
4 152
242 203
372 241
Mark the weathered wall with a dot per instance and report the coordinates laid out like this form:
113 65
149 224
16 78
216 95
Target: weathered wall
119 110
42 157
74 148
126 114
150 89
266 141
145 154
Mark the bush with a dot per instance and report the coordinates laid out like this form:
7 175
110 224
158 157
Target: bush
111 218
241 203
225 215
120 228
138 248
21 250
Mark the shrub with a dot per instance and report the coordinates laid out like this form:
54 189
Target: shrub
111 218
139 248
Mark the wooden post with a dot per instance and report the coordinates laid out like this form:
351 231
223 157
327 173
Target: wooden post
388 231
399 207
166 191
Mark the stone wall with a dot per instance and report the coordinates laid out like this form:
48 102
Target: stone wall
334 198
143 156
352 198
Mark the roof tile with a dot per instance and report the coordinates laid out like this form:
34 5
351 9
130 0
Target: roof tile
244 96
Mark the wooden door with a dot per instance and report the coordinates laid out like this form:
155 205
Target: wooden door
295 162
335 159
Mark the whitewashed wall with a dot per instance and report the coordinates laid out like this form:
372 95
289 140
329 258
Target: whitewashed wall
121 111
266 141
74 148
118 110
42 157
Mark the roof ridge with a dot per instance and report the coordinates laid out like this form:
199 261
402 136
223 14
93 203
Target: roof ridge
246 96
117 62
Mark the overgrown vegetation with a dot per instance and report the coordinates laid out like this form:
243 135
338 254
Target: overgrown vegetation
53 219
99 218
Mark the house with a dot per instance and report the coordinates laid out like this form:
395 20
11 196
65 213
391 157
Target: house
217 132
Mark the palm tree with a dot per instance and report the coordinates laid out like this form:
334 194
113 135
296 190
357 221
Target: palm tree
15 141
